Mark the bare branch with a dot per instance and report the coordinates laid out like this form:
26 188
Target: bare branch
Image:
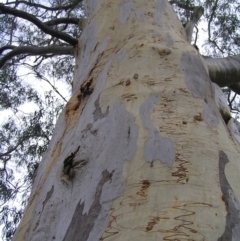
11 31
54 88
7 153
33 50
216 45
31 18
209 26
20 142
235 88
181 5
230 103
228 98
196 36
196 15
62 21
224 71
66 7
7 47
38 75
211 18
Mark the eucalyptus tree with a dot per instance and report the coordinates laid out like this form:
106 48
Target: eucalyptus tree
143 149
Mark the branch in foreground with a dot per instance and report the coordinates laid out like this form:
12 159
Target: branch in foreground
20 142
31 18
235 88
224 71
196 15
32 50
62 21
7 47
38 75
66 7
211 18
181 5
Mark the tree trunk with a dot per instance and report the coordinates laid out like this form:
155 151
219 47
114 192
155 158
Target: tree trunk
140 151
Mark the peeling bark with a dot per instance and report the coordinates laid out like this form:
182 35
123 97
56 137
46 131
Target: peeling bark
81 224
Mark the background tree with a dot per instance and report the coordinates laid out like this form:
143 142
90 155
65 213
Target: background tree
32 29
37 45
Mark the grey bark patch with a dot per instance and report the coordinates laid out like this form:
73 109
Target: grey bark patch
160 7
147 108
106 144
154 33
196 75
115 142
197 81
209 115
169 40
157 147
121 53
232 228
126 7
82 224
236 233
90 7
125 10
98 112
140 15
48 196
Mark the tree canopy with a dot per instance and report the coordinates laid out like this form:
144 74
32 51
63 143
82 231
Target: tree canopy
38 42
37 45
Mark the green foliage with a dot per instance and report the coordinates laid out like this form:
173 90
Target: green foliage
31 112
223 17
24 138
185 10
12 92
